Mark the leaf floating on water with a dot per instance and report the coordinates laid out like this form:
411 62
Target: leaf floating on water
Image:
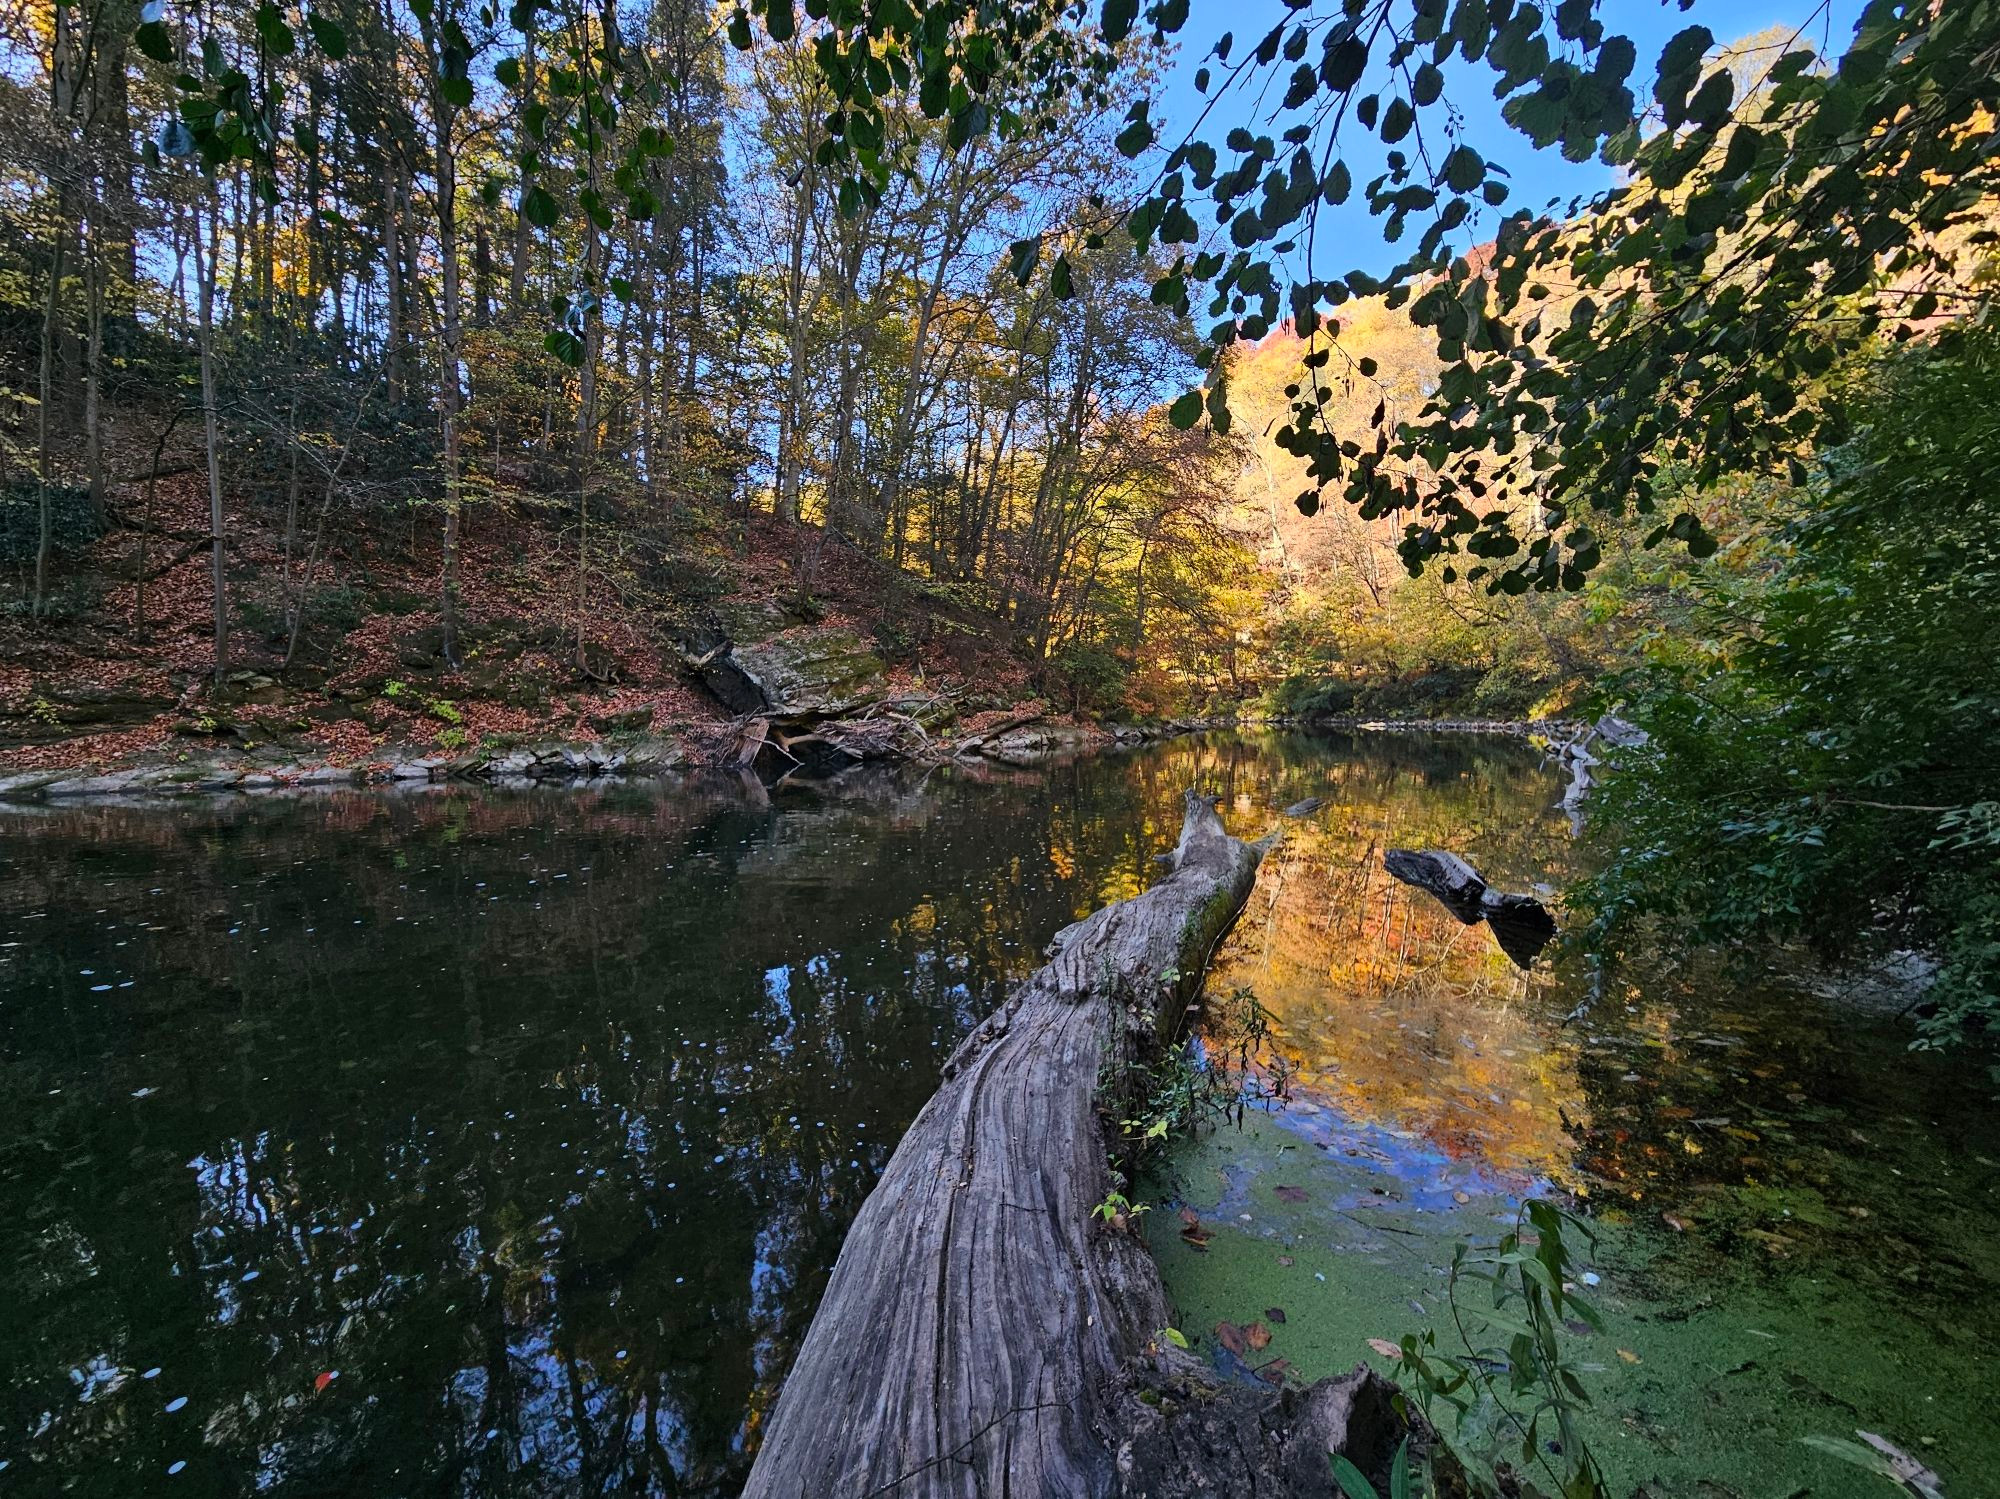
1884 1457
1461 1197
1629 1356
1231 1337
1290 1194
1386 1348
1274 1372
1275 1314
1195 1236
1907 1469
1257 1336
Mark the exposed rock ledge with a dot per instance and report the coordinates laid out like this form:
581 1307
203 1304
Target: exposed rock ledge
530 765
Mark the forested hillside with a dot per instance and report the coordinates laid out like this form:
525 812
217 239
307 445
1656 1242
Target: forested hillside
486 356
455 380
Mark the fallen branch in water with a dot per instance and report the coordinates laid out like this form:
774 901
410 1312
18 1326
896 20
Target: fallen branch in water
1520 923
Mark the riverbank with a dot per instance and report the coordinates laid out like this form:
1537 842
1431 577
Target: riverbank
742 746
1020 736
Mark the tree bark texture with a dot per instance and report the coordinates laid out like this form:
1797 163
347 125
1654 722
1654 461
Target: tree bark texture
983 1333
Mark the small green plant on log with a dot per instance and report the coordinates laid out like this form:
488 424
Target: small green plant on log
1119 1212
1355 1485
1190 1086
1510 1357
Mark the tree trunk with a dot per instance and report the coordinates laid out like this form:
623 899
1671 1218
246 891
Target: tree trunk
45 444
791 419
204 275
392 275
450 374
93 389
524 231
983 1332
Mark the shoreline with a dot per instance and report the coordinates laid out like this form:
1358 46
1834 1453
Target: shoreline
646 757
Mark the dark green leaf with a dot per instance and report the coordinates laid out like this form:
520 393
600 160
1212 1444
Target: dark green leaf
538 206
330 35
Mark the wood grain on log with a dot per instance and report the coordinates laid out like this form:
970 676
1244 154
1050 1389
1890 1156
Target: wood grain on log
983 1333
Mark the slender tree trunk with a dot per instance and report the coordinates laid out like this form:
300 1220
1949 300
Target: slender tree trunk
517 268
450 374
586 420
93 389
45 415
392 270
791 420
204 275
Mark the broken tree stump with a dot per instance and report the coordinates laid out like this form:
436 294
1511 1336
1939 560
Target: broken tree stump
983 1332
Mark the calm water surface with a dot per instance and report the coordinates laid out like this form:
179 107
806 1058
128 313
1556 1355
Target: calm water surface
491 1144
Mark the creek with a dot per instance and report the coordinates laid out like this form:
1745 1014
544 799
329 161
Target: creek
462 1142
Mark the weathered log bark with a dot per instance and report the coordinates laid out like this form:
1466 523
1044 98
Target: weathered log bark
1520 923
983 1333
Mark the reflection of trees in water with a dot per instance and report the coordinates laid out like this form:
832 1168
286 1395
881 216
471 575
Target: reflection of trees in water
1386 1004
468 1146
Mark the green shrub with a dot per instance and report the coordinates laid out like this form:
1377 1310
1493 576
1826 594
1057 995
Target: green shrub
1305 696
1821 763
1091 677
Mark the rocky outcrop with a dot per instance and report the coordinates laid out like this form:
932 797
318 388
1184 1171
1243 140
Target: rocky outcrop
639 758
50 710
759 660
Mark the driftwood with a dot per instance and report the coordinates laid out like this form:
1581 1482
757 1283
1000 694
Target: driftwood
983 1332
1575 755
971 742
1520 923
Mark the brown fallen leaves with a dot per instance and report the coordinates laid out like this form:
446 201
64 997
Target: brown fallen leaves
1243 1341
1192 1233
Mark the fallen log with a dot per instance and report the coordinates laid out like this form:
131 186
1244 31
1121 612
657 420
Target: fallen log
983 1332
971 742
1521 924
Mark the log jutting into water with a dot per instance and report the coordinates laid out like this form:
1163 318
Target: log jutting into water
983 1333
1520 923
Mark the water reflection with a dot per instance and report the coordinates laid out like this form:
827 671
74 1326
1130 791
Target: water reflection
499 1145
1383 1003
476 1145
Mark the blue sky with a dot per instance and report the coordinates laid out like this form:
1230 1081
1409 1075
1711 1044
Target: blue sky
1348 237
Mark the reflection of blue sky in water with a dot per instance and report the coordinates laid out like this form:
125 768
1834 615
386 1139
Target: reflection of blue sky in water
539 1119
1799 1218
